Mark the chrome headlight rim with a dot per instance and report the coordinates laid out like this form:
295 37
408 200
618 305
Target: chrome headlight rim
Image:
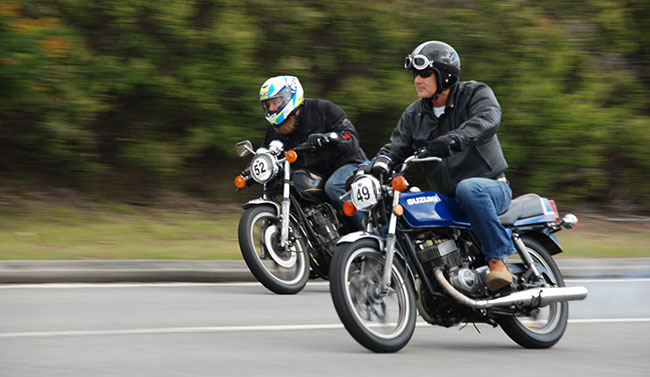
263 167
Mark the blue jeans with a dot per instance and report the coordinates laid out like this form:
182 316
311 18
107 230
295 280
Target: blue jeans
335 187
483 200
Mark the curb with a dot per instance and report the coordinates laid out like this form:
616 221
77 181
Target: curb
105 271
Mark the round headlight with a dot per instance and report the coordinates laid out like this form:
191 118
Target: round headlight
263 167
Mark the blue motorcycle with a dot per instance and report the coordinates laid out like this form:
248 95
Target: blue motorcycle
418 254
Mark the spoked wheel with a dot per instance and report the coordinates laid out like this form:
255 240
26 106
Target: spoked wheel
380 321
543 327
281 270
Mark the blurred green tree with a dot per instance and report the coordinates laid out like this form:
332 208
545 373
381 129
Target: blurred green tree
110 95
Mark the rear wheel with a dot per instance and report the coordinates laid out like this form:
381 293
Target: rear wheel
381 322
281 270
543 327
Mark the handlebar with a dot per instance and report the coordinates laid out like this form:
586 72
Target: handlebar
415 158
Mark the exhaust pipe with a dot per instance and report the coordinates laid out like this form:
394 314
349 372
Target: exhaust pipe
534 297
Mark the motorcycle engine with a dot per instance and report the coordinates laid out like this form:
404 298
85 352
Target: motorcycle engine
469 281
439 253
324 221
444 254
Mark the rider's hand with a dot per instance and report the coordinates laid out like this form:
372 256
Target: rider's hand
441 146
317 140
380 165
364 168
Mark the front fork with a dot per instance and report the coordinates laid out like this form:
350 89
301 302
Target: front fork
390 245
284 230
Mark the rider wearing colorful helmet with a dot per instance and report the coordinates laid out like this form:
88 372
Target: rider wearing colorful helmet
280 96
295 120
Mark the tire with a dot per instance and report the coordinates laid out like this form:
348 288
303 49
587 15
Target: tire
548 324
259 242
355 275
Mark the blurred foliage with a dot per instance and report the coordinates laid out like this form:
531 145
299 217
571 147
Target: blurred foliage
123 96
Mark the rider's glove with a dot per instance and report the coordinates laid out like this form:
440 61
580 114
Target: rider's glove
380 165
317 140
442 146
364 168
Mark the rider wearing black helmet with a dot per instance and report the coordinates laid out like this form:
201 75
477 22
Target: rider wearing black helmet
457 121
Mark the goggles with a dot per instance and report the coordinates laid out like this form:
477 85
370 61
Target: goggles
424 74
418 61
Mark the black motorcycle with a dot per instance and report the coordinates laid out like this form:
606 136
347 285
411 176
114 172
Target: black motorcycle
289 234
419 255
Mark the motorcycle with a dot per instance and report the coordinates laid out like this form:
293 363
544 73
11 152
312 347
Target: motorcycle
418 254
289 234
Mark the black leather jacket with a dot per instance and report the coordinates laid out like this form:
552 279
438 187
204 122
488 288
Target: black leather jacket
472 114
322 116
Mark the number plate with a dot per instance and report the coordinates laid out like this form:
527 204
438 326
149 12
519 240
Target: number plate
364 193
262 168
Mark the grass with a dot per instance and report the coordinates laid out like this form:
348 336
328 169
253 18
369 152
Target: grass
116 233
65 231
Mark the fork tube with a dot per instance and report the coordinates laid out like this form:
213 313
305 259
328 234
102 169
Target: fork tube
284 230
390 244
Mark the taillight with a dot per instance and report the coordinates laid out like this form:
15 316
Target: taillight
557 214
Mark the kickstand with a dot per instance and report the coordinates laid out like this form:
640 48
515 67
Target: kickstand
467 323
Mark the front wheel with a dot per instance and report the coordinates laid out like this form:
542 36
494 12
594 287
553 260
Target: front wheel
283 270
381 322
543 327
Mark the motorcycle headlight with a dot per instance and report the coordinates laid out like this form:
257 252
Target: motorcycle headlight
365 192
263 167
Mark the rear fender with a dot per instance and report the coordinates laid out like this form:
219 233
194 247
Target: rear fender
548 240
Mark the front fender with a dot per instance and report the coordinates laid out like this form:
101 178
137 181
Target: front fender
358 235
262 201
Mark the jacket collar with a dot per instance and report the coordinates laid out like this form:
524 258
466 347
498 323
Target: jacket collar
427 105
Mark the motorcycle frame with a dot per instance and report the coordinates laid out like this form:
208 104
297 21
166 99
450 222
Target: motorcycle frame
289 207
404 241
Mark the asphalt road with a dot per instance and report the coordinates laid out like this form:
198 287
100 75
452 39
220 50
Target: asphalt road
241 329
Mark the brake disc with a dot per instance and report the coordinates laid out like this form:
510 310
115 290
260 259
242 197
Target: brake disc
285 258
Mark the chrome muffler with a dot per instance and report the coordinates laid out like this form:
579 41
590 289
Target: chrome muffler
534 297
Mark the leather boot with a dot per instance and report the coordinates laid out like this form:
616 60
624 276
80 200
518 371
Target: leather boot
499 275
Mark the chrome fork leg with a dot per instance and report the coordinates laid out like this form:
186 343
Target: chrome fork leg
390 246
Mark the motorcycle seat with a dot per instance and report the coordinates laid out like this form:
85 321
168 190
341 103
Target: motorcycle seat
521 207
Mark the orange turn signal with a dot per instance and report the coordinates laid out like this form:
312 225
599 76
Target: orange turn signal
398 183
348 208
240 181
291 156
399 210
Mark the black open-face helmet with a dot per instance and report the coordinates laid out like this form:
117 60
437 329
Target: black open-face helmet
438 57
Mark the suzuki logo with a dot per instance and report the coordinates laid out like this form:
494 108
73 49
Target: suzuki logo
423 199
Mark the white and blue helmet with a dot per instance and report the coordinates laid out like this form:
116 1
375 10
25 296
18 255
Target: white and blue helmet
288 89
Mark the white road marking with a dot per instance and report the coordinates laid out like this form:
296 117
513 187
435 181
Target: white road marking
172 330
623 280
126 285
609 320
216 329
242 284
